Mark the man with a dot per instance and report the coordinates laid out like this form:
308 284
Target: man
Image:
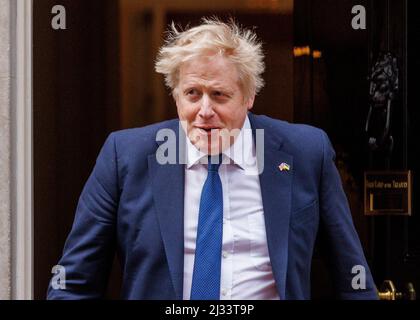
235 216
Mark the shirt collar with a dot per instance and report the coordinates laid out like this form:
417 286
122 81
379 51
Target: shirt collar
240 152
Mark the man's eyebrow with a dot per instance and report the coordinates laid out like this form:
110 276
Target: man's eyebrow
222 88
227 90
217 86
210 87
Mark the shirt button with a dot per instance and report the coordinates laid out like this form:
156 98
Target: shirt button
224 254
224 292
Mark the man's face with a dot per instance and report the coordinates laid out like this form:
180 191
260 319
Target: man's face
210 102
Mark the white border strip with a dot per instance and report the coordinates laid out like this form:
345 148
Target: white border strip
22 196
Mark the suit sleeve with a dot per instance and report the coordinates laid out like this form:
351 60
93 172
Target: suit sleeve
350 271
89 249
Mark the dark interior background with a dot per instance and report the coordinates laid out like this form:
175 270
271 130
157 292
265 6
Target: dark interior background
76 105
97 76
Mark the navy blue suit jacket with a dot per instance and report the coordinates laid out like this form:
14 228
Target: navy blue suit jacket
134 205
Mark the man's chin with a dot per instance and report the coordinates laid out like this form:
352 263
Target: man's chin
205 145
209 149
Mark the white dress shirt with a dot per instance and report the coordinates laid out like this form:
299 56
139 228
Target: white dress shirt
246 270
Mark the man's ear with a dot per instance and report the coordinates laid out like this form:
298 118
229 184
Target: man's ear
250 102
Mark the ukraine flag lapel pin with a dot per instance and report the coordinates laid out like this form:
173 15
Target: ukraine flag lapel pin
284 167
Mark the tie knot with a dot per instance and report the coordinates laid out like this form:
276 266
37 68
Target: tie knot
214 162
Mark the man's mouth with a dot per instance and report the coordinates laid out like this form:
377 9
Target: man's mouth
207 129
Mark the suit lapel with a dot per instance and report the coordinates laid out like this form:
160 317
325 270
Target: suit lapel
168 194
276 196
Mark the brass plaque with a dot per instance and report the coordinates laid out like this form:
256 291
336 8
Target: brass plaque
388 193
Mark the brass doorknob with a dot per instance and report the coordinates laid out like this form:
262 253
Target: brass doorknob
389 292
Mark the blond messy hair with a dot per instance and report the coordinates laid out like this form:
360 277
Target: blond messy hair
213 36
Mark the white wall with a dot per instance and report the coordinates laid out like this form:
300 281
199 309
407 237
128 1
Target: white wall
5 151
16 225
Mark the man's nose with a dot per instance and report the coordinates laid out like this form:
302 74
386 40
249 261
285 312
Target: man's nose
206 109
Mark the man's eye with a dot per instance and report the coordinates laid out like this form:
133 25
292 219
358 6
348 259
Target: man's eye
192 92
221 95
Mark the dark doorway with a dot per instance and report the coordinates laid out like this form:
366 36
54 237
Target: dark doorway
333 93
75 106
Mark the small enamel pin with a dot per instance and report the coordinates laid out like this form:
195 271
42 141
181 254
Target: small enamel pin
284 166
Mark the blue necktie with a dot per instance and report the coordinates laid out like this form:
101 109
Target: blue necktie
207 263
